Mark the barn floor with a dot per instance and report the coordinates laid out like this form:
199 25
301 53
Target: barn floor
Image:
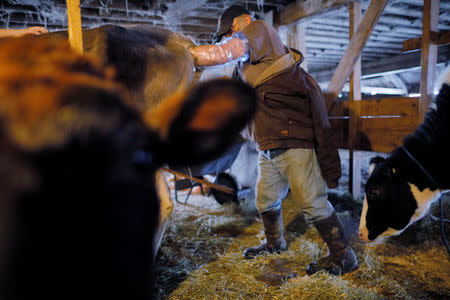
201 258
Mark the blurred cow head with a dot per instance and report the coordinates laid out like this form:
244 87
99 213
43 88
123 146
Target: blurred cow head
78 187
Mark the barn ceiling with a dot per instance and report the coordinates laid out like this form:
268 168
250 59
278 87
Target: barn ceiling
385 67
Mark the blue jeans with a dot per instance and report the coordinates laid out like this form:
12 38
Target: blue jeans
297 169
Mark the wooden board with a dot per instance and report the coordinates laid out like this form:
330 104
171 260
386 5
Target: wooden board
390 107
385 134
384 122
438 38
401 106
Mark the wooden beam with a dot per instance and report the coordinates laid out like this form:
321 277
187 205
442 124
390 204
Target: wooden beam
395 107
354 183
354 49
303 9
74 28
438 38
429 55
395 64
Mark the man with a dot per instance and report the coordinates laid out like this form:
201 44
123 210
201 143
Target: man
292 131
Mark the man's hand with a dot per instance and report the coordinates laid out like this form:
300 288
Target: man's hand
35 30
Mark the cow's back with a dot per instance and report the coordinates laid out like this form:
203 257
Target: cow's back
169 67
151 62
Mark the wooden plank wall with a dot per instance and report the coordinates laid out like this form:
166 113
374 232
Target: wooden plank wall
384 122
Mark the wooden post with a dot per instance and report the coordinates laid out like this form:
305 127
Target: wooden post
297 40
283 32
354 49
354 134
74 18
430 23
268 17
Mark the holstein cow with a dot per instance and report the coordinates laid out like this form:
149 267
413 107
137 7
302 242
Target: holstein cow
401 187
78 201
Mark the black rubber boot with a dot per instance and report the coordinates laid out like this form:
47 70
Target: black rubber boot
340 259
274 231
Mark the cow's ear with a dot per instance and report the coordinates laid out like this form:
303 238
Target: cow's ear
202 124
374 161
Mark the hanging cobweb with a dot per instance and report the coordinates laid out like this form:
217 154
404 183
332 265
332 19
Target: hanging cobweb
49 13
24 2
44 12
179 16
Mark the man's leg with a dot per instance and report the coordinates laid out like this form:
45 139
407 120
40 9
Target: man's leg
271 188
308 187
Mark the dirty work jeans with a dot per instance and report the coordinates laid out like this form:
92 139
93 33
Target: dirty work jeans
299 170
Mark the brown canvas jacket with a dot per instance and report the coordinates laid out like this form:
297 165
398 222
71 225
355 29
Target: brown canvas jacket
292 114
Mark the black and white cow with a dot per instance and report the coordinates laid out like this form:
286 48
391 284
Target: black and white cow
401 188
78 203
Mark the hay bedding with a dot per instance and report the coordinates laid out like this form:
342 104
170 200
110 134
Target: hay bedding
201 258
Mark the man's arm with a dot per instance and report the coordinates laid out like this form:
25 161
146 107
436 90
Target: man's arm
35 30
210 55
327 151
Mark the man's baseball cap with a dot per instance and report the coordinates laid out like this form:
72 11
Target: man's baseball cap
226 20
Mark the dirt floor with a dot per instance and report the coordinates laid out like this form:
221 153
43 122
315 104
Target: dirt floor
201 258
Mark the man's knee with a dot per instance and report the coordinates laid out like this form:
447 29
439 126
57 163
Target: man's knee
268 206
318 211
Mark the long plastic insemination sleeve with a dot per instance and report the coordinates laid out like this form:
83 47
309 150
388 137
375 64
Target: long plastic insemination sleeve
210 55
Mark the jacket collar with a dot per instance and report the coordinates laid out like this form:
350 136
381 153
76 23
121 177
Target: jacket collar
285 62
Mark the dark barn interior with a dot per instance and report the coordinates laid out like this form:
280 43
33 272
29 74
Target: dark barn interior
324 26
404 48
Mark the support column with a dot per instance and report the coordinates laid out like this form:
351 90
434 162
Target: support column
74 22
297 40
430 23
354 96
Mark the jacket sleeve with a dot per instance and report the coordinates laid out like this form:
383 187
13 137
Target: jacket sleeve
326 149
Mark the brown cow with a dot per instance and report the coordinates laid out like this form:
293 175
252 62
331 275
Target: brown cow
137 53
78 164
